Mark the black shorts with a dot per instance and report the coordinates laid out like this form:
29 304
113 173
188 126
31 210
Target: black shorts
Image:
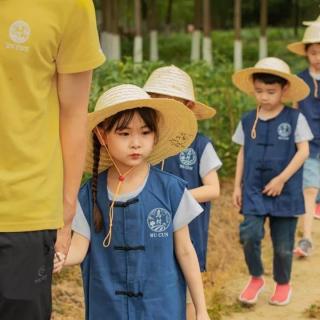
26 262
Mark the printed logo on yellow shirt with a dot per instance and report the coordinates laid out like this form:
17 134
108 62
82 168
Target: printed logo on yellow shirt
19 33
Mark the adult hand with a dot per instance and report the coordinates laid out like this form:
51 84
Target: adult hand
58 262
63 240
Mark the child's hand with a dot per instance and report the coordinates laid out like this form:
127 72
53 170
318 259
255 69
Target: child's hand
274 187
237 197
58 261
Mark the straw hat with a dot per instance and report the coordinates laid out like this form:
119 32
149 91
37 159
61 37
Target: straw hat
311 35
174 82
177 124
308 23
297 90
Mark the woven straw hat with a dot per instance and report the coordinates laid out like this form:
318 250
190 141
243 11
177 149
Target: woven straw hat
177 124
297 90
308 23
174 82
311 35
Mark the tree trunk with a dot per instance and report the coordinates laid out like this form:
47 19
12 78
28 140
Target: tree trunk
237 56
138 42
207 43
196 33
169 15
263 45
295 6
153 30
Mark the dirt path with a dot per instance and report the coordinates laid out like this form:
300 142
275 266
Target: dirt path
306 289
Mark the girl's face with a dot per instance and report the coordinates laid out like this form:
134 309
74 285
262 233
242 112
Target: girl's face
313 56
131 145
269 96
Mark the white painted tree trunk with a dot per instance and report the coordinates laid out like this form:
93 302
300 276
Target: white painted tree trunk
154 53
237 55
106 43
263 47
207 50
138 49
115 47
196 45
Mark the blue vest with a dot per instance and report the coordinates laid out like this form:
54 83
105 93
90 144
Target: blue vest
186 165
137 277
266 157
310 107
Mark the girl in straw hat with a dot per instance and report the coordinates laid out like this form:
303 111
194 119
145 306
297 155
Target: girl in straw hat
310 107
198 164
131 226
273 143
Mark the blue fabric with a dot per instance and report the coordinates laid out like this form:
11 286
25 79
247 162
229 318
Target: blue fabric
137 276
282 235
265 158
310 107
186 165
311 173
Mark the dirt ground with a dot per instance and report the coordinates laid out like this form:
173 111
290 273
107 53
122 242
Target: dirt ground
224 279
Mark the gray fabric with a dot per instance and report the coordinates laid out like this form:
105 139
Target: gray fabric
302 133
80 223
209 161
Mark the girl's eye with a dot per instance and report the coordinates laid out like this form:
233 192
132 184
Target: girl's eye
123 133
145 132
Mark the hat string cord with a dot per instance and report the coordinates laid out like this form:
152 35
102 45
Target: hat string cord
107 240
253 130
316 87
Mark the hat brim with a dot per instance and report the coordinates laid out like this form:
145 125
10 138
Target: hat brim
200 110
298 48
172 138
297 89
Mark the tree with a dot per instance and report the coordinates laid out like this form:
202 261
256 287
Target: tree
196 32
207 43
263 45
153 30
138 43
237 57
110 38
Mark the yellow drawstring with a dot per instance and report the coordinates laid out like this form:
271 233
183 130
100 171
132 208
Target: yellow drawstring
253 130
107 240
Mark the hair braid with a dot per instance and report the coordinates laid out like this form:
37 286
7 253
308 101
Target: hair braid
97 214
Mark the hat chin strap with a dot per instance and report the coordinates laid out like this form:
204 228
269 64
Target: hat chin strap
107 240
253 130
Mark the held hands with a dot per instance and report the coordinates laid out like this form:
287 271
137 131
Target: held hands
58 261
274 187
237 197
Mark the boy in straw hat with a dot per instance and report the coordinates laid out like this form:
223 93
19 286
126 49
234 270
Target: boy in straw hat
309 47
131 225
198 164
273 143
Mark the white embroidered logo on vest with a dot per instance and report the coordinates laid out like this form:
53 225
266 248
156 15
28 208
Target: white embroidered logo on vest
284 131
159 220
187 158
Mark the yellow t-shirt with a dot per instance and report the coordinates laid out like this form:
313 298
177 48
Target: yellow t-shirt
38 39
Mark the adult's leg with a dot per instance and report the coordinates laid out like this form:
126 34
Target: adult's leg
26 260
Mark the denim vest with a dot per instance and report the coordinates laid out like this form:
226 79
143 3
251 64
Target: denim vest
310 107
265 158
137 277
186 165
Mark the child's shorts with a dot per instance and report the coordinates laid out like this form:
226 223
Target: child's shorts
311 173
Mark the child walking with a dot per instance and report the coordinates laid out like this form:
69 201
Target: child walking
273 143
198 164
309 47
131 226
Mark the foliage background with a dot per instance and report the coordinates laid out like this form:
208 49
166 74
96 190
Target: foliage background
213 85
